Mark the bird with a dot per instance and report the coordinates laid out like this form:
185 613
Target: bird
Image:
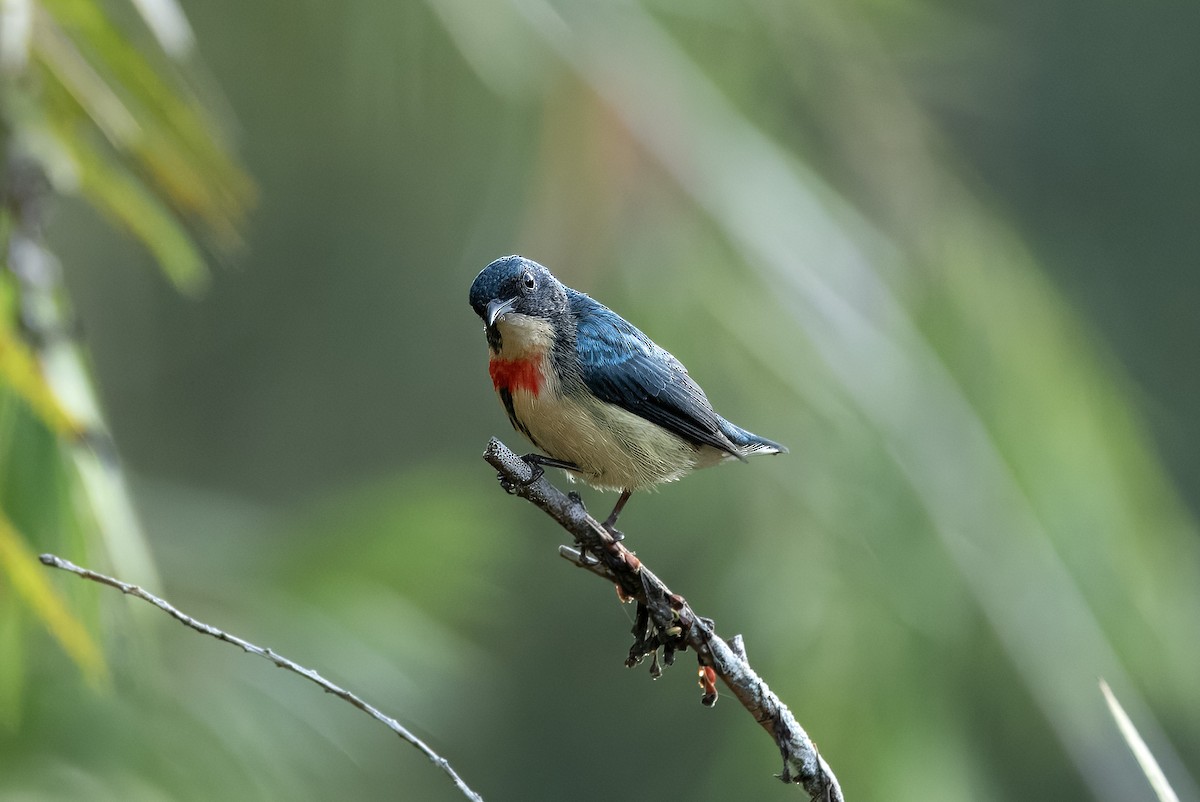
586 387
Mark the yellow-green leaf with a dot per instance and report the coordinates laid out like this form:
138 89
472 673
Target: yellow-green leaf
28 579
175 141
19 370
121 195
13 668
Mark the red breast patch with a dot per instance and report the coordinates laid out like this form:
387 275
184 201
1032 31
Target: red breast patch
515 374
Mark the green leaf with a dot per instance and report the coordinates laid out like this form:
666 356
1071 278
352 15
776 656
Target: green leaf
124 197
146 152
27 578
173 138
19 370
13 666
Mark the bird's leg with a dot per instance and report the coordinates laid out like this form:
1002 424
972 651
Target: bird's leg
537 461
610 523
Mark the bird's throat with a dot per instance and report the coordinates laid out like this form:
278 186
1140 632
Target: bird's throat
521 363
516 374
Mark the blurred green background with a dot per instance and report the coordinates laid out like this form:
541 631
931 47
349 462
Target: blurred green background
947 252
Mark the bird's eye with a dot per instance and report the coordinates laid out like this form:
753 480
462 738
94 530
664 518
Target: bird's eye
529 281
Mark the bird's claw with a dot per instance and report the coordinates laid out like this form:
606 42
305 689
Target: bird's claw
511 486
536 461
535 470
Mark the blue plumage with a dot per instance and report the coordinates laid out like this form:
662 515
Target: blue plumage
622 366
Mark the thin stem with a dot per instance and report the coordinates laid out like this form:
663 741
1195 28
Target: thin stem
276 658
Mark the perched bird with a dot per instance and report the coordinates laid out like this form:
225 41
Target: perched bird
602 400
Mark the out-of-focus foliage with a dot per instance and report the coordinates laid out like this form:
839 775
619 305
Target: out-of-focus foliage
31 587
813 206
93 108
103 111
22 376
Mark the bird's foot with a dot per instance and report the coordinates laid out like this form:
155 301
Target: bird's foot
610 526
616 534
511 486
536 463
536 471
610 523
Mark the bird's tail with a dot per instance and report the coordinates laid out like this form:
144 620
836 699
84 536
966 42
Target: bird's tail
748 443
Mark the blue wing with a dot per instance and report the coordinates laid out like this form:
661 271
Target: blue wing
622 366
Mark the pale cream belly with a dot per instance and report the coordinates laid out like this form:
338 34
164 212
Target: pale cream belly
614 449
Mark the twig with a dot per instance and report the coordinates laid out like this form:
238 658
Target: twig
676 626
276 658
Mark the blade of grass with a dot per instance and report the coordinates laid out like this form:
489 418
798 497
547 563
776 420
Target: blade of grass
1145 758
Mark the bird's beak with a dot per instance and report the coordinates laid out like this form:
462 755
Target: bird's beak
497 308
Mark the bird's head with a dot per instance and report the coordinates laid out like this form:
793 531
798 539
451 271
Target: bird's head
519 291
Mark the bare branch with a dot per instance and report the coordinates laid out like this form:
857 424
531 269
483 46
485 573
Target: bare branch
675 626
278 659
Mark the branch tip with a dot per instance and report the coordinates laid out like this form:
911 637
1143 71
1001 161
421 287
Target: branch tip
267 654
666 621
